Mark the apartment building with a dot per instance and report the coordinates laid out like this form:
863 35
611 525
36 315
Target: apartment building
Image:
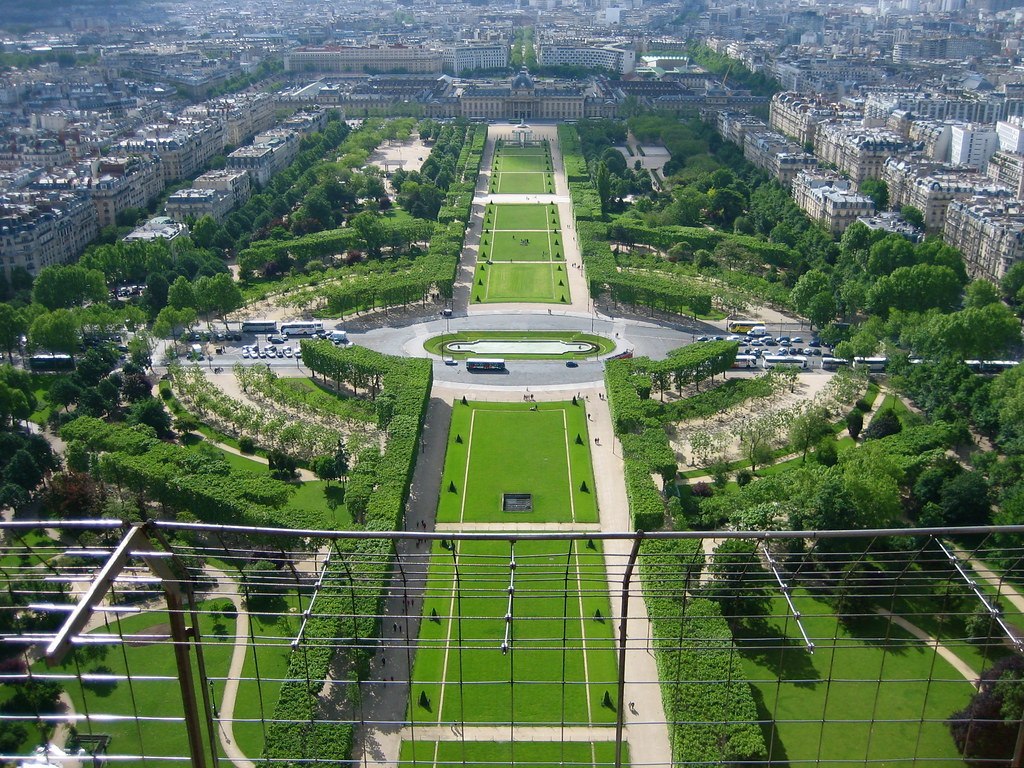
830 200
1007 169
798 116
973 145
611 56
40 229
469 55
184 148
1011 134
412 59
120 183
858 152
778 156
988 232
931 187
243 116
936 106
191 204
934 136
234 182
269 153
734 126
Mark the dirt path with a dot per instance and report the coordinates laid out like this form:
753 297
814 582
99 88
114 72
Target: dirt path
935 644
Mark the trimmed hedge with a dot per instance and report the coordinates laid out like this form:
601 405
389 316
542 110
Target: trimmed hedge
711 711
347 609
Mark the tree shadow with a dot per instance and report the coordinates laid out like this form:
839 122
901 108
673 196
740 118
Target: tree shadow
787 658
334 496
777 755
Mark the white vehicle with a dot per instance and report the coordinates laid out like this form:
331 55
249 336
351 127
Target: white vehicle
338 336
792 361
197 352
288 352
758 330
745 361
302 328
245 352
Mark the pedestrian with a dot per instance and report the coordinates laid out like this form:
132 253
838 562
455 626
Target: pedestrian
394 627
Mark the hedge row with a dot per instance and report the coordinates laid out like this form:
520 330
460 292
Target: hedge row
633 231
709 705
184 480
347 609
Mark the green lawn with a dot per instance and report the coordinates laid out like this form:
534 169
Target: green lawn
526 282
520 246
550 463
521 217
154 699
560 592
829 706
257 699
530 162
506 183
486 754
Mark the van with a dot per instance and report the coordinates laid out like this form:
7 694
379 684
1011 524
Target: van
197 352
758 330
338 336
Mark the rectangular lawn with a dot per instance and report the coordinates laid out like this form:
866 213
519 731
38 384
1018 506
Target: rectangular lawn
560 660
821 706
521 217
522 183
549 463
517 281
486 754
519 246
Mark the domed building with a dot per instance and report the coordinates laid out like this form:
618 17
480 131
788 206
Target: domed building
523 100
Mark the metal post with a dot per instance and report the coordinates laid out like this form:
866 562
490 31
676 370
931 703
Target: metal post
623 614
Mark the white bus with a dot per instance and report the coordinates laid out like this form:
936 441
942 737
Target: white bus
302 328
259 326
872 364
744 361
787 361
833 363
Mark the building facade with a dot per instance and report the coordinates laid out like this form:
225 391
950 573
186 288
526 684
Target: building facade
470 56
412 59
120 183
989 233
40 229
830 200
858 152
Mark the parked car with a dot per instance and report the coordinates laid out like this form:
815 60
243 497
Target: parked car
276 339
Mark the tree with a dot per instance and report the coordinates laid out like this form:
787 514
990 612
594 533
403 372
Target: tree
171 322
986 729
325 468
980 293
807 429
55 331
66 286
63 393
203 231
218 294
603 184
12 327
23 470
182 294
151 412
912 215
370 230
341 460
854 423
878 191
883 424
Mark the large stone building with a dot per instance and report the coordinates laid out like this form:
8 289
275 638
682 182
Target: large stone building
858 152
611 56
413 59
931 187
776 155
1007 168
973 145
472 55
120 183
830 200
272 151
989 233
40 229
522 99
184 148
798 116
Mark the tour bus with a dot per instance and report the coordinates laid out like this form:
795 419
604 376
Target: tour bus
259 326
485 364
775 361
746 326
302 328
872 364
991 366
833 363
51 362
744 361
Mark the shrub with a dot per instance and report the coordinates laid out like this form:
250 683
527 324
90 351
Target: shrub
246 444
884 423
